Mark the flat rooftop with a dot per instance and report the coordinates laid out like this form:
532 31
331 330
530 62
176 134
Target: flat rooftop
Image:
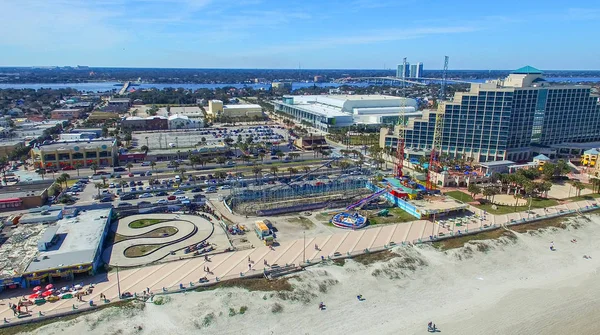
497 163
362 97
79 240
241 106
441 204
84 144
318 109
25 188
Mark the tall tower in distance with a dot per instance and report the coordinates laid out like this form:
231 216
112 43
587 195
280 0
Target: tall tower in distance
419 73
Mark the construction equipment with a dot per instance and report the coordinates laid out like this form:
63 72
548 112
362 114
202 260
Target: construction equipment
436 148
401 131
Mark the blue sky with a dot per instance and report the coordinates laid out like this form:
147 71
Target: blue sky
362 34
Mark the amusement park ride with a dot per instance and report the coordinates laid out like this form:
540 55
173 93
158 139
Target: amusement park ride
351 218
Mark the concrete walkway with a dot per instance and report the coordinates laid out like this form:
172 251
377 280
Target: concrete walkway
169 276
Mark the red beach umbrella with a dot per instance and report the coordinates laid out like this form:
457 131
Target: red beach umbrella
49 287
47 293
33 296
37 288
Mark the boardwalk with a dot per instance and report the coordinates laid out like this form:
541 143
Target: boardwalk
172 275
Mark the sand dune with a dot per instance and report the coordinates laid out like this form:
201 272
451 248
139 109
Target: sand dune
493 287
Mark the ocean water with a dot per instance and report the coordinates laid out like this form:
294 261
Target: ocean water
513 285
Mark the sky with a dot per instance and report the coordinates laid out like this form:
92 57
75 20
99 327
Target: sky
317 34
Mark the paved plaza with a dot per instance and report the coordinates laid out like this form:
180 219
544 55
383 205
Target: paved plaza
184 273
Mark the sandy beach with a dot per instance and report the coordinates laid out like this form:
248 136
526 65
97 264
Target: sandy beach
506 286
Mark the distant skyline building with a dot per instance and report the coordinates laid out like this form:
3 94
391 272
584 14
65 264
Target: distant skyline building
513 119
419 72
413 71
403 72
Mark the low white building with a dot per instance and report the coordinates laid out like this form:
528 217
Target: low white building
178 121
335 111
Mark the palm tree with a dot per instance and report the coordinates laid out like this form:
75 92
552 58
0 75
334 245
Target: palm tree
78 166
274 170
473 189
279 154
65 176
292 171
98 186
517 197
306 169
578 186
60 180
41 172
145 149
182 171
94 167
129 166
103 180
256 170
152 165
221 160
262 156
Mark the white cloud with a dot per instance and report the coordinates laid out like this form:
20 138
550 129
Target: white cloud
375 36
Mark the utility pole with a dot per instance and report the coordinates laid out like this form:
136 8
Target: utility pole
304 248
118 283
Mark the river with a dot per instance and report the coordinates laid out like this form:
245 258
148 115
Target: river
108 86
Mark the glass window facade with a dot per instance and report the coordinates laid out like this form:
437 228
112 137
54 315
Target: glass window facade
489 124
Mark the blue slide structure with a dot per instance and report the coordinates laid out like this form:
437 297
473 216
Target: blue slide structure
368 199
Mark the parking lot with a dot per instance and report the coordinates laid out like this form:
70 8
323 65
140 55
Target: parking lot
186 139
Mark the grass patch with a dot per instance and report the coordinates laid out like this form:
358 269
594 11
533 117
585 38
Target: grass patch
459 195
144 223
158 232
591 196
302 221
243 309
501 209
459 242
374 257
253 284
141 250
396 215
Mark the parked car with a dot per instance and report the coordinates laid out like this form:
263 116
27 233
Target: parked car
111 185
128 196
181 198
146 195
140 183
106 199
132 183
161 193
196 190
68 168
162 202
178 192
144 204
124 204
211 189
148 173
171 197
119 169
130 175
226 187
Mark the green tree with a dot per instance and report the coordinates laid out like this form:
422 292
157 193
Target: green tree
144 148
517 196
41 172
98 186
104 181
221 160
292 171
256 170
65 177
152 165
94 167
274 170
129 166
474 190
78 166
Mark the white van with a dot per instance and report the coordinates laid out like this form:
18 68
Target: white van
181 198
177 179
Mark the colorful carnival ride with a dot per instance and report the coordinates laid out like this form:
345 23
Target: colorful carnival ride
351 219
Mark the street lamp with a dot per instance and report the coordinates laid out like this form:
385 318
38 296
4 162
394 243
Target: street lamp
177 141
147 142
304 247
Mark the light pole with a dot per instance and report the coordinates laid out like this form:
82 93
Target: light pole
304 247
118 283
148 145
177 141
